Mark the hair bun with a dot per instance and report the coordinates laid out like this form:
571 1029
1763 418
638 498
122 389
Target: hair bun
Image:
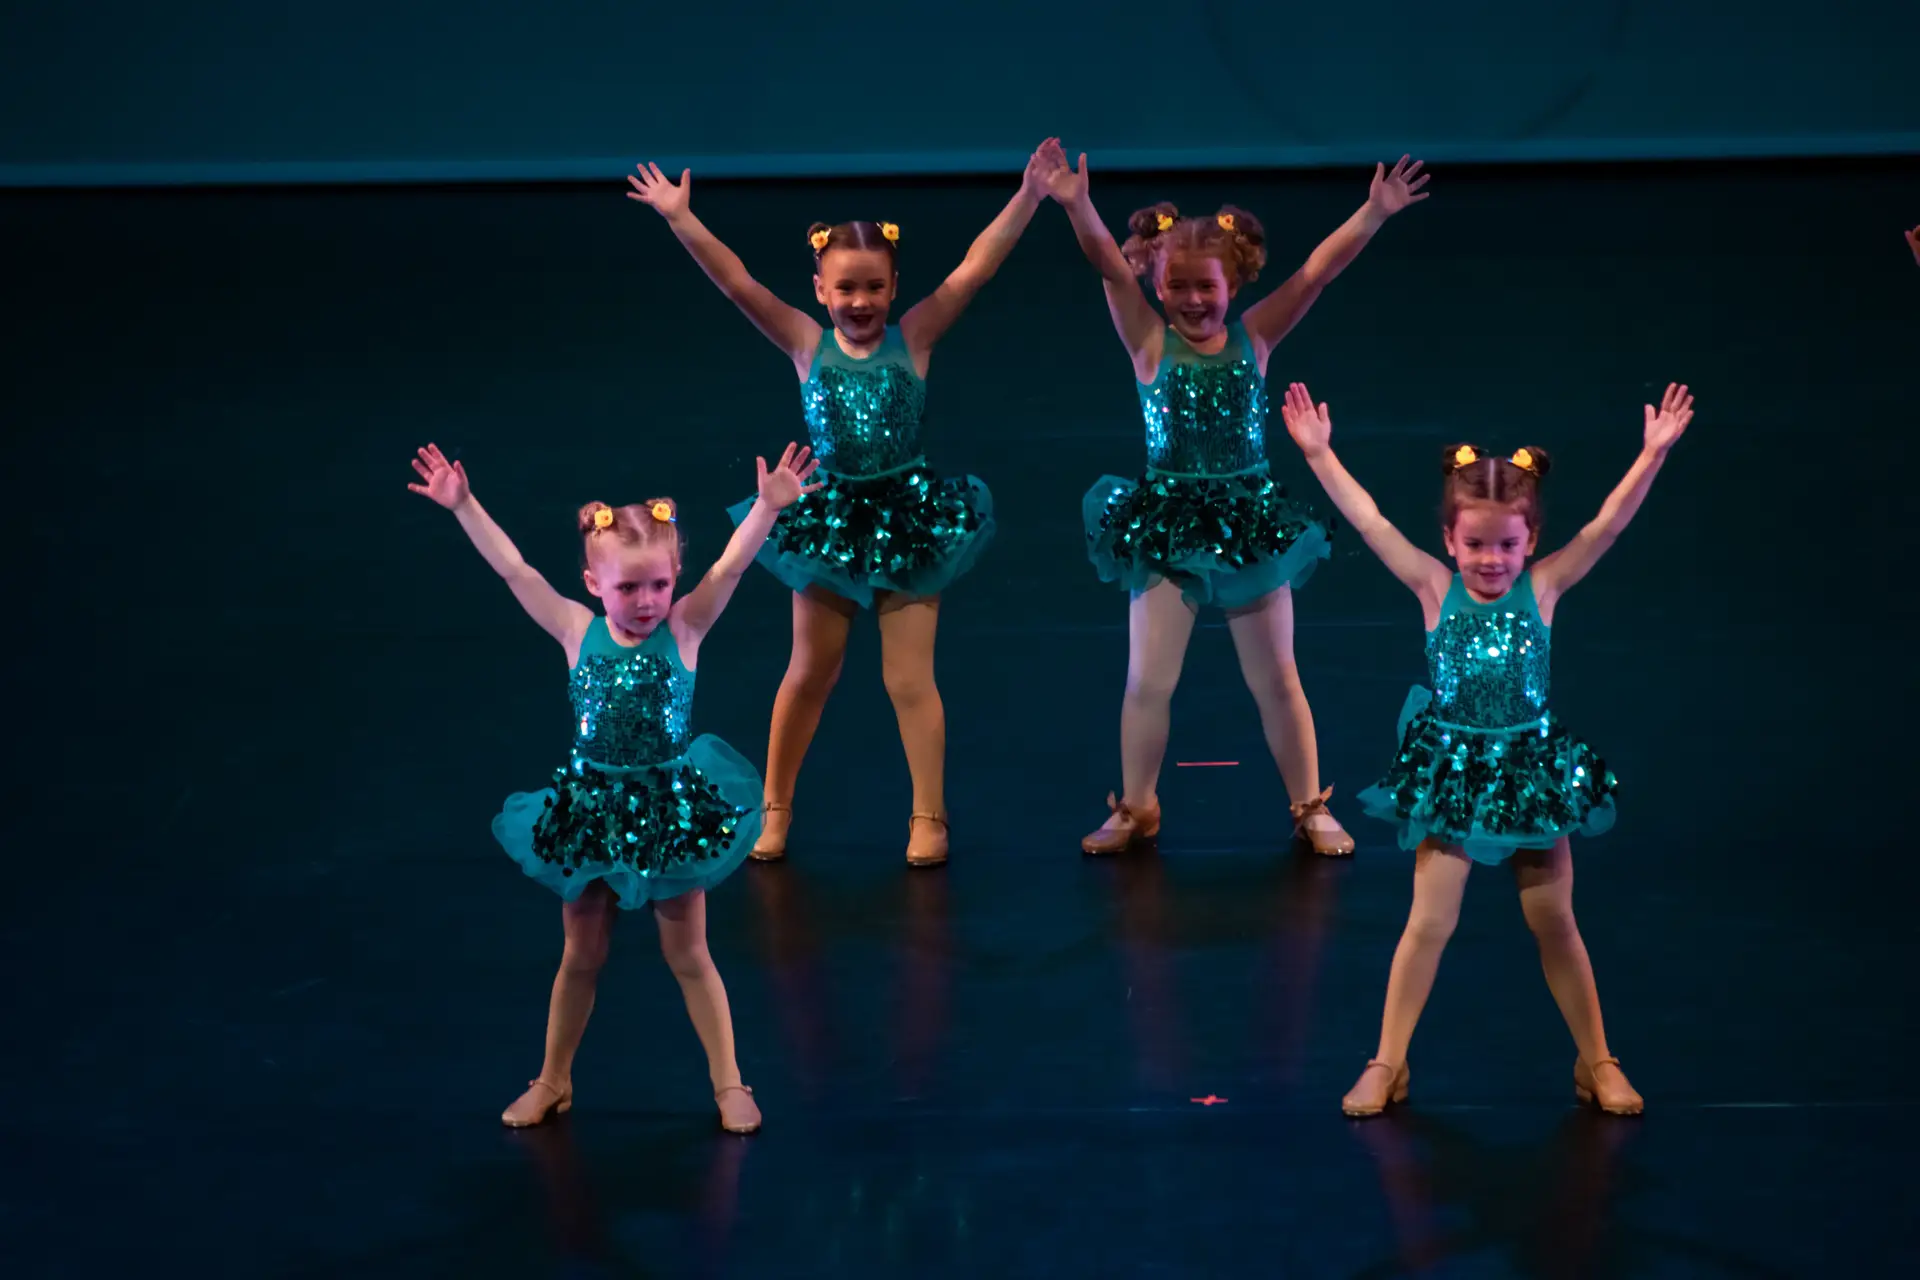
588 517
1541 461
1240 223
1145 223
1456 456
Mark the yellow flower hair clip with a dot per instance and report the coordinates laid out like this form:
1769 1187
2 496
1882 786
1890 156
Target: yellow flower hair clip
663 512
819 239
1465 456
1523 459
1226 222
603 518
1164 222
890 232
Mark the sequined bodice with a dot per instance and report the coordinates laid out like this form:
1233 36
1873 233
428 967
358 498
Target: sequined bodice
863 416
1489 662
1206 414
631 705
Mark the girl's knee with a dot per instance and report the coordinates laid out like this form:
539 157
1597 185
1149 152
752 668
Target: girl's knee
813 674
1151 688
689 959
1275 684
583 957
1432 928
909 687
1550 920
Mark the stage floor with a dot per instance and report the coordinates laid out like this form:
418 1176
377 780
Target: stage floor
272 982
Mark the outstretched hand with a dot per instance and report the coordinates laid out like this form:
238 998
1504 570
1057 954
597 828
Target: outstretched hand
653 187
1307 423
1033 180
446 482
1392 192
1063 183
782 486
1913 243
1667 423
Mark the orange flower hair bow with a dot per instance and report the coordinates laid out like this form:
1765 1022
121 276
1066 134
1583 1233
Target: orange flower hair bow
891 232
603 518
819 239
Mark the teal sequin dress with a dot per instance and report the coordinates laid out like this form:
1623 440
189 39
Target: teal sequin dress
1483 763
1206 515
884 521
641 803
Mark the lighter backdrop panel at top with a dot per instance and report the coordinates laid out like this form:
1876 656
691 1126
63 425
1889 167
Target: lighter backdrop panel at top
217 91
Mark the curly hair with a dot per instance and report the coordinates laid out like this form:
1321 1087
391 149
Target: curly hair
1232 235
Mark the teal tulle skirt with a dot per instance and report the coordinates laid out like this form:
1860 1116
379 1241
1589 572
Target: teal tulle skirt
908 531
651 833
1224 540
1490 791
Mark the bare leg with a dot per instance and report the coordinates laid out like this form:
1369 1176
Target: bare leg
683 941
1263 637
1545 879
908 626
1159 625
821 621
1439 880
588 925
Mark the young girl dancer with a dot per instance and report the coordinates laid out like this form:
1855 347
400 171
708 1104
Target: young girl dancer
886 532
1485 772
643 813
1206 524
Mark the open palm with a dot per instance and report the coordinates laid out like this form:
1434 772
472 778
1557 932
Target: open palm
782 486
1063 184
445 482
1307 422
652 187
1669 422
1392 192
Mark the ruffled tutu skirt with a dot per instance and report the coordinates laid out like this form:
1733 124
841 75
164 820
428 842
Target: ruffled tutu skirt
1491 791
908 531
1224 540
651 833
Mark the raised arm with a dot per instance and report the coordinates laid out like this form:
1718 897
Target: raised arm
446 483
788 328
1312 430
1140 328
933 315
701 607
1553 575
1275 315
1913 243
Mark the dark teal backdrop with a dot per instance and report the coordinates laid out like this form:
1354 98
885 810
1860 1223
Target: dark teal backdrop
353 90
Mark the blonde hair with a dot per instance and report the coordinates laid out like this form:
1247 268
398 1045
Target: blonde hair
1232 235
653 523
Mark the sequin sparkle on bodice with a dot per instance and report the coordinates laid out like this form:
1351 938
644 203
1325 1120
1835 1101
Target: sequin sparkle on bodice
1206 415
1489 664
631 708
863 417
